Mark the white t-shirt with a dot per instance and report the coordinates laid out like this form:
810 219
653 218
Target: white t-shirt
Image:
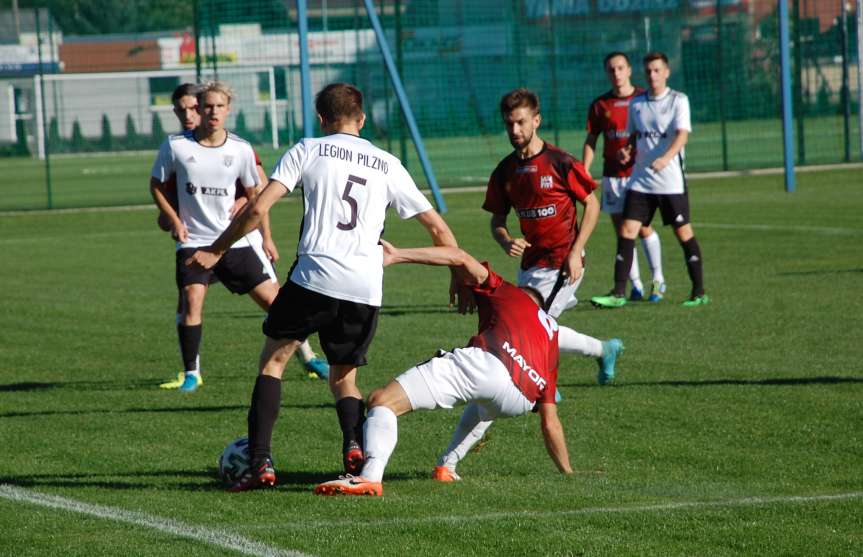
348 183
207 184
655 121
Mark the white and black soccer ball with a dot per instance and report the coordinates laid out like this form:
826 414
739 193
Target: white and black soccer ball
234 461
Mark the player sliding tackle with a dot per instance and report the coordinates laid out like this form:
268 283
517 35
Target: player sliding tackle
508 368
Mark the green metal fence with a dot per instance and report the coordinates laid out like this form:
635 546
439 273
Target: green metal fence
84 119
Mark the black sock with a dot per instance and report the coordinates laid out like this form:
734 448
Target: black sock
190 345
351 413
692 252
622 265
263 413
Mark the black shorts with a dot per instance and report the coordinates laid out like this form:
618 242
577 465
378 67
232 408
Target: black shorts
240 270
673 207
344 328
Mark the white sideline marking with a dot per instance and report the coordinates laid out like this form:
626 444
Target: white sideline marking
682 505
217 537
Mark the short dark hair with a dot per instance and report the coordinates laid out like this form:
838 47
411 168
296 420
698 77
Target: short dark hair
615 54
339 101
184 90
651 56
519 98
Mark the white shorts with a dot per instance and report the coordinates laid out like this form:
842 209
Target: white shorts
543 279
464 375
614 194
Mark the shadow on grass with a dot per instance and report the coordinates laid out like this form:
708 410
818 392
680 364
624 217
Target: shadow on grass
168 410
772 382
206 479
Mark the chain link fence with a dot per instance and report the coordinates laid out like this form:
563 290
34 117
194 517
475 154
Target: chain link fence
82 110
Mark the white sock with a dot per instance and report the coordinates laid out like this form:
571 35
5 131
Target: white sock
635 272
469 431
380 434
568 340
306 352
653 252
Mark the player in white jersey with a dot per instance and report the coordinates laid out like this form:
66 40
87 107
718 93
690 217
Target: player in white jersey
207 163
659 124
607 117
185 102
335 286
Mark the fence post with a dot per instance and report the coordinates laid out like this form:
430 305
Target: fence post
785 62
305 70
719 62
197 30
41 113
798 89
860 73
274 122
846 96
406 107
403 146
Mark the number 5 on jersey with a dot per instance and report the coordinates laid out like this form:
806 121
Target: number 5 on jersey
351 201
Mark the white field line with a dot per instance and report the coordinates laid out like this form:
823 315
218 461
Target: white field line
220 538
509 515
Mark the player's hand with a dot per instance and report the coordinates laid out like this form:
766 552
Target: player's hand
238 205
270 250
180 232
203 258
459 292
659 164
624 154
389 252
516 247
574 267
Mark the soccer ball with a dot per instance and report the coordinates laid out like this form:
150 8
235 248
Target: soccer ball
234 461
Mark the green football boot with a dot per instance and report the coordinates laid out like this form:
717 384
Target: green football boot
609 301
702 300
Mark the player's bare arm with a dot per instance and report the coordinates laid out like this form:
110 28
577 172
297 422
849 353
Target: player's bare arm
552 434
245 222
514 247
679 142
441 235
157 190
589 218
269 245
589 150
469 271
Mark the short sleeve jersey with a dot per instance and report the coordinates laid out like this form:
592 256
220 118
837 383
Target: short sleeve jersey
607 117
520 334
207 179
655 122
348 184
542 190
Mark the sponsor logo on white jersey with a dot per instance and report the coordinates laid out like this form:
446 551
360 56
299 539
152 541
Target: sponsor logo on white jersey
191 159
519 359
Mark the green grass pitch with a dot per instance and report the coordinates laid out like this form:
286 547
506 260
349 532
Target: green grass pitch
733 429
